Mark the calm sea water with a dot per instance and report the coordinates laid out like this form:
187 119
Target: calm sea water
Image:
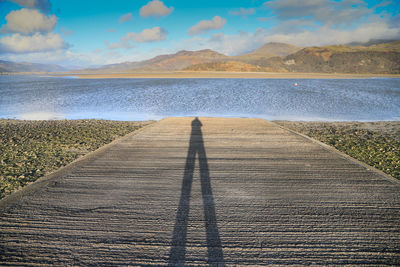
33 97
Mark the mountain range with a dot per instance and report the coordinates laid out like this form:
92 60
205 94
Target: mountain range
382 58
171 62
377 57
9 67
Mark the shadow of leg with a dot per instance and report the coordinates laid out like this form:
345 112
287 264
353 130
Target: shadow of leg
178 248
214 246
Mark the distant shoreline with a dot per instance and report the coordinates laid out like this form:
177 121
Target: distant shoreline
243 75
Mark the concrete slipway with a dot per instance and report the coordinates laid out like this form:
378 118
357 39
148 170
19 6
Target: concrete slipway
207 191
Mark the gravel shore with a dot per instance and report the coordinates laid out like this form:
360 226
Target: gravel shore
374 143
32 149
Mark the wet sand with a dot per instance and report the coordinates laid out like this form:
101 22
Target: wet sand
249 75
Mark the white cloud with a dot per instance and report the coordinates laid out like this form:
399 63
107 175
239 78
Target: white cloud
155 34
327 12
244 42
384 3
395 21
38 42
28 21
125 17
293 26
117 45
242 12
326 35
97 51
285 9
60 57
155 8
66 58
206 25
66 32
262 19
43 5
228 44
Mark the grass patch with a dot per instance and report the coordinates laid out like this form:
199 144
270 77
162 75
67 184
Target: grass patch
32 149
374 143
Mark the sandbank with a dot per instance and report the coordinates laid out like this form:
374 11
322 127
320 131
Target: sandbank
249 75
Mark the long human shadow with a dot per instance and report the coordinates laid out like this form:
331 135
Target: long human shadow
178 248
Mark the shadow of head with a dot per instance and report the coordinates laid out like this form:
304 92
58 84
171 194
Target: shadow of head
196 122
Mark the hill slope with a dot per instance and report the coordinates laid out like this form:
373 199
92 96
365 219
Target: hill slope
177 61
266 51
230 66
199 59
380 59
375 58
9 66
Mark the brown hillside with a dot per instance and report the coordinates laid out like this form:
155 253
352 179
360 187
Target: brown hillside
380 59
229 66
276 49
169 62
267 51
9 66
183 59
376 58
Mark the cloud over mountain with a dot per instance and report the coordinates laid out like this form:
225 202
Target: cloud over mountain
206 25
37 42
154 34
324 12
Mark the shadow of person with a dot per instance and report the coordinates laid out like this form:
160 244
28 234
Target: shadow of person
178 248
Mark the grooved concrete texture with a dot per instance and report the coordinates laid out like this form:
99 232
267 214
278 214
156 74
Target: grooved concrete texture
207 192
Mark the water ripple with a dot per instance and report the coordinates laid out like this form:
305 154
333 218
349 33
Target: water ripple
142 99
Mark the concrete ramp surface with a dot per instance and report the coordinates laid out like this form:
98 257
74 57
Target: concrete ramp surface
206 191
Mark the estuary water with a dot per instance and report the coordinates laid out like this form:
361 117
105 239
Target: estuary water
35 97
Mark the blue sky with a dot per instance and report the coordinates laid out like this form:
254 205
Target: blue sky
88 33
